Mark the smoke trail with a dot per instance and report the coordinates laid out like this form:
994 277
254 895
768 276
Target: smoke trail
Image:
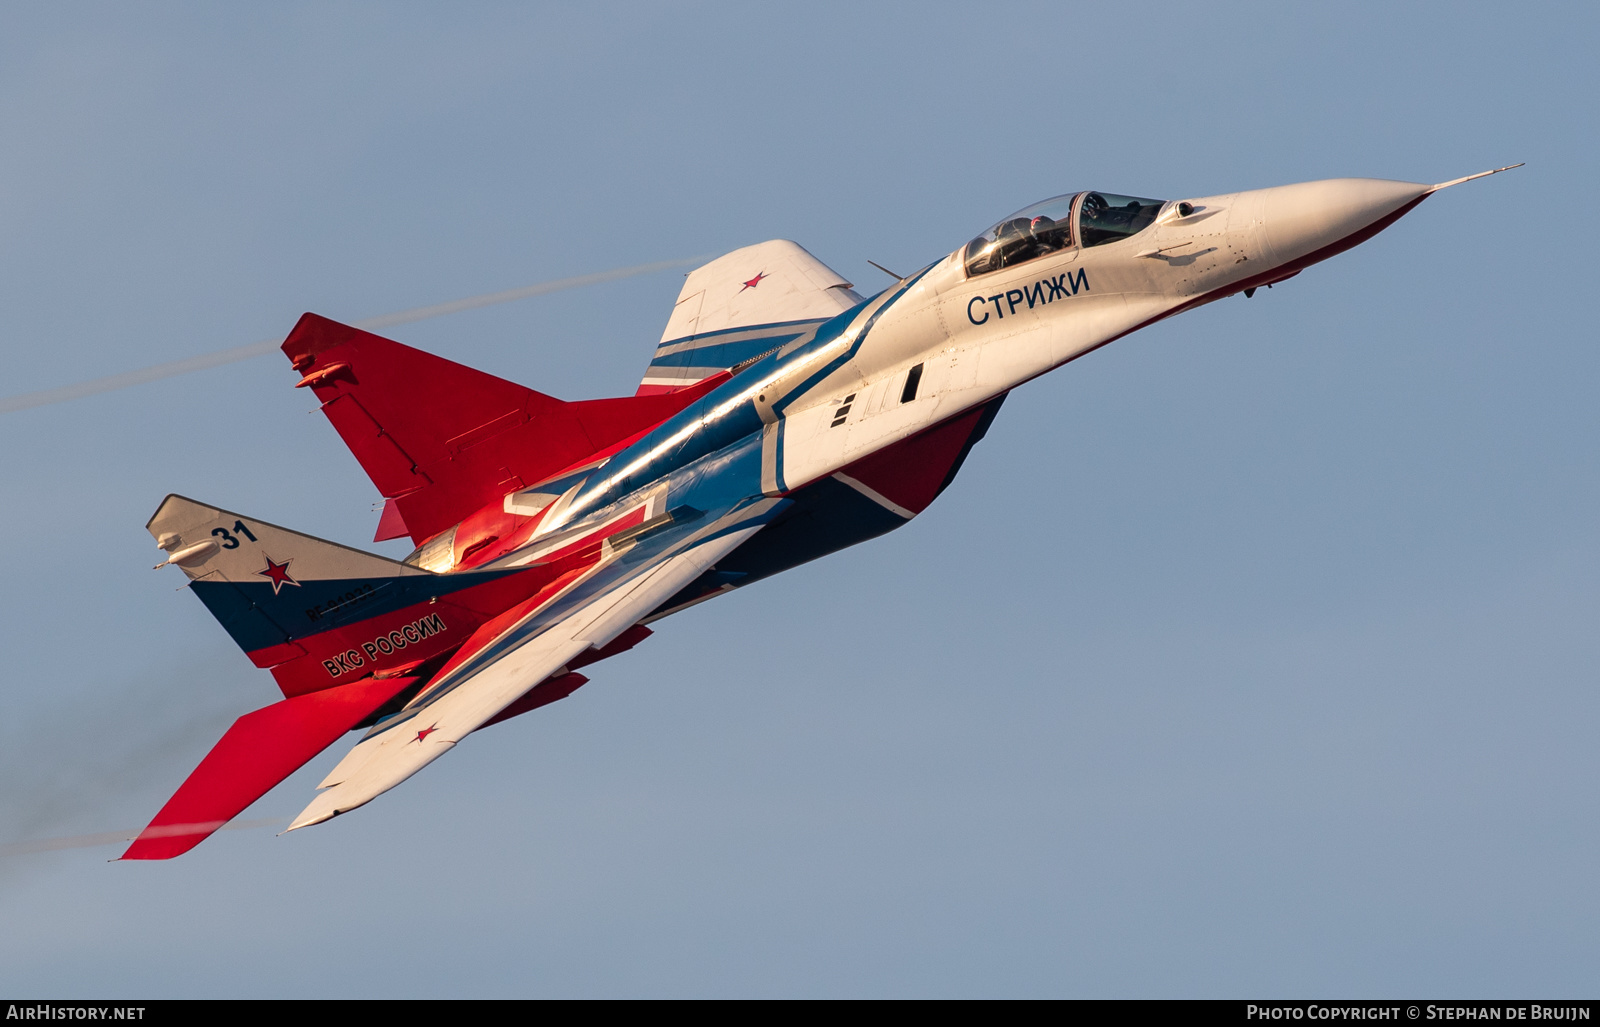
28 400
115 755
123 837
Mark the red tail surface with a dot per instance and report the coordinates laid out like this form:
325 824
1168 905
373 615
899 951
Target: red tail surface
441 440
259 751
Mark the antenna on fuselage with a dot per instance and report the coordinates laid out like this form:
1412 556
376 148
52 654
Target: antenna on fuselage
900 278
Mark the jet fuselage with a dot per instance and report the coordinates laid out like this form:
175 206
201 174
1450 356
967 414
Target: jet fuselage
951 338
771 428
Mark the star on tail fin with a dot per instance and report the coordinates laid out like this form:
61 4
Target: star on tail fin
740 306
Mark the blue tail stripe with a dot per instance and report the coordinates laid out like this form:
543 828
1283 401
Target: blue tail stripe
257 619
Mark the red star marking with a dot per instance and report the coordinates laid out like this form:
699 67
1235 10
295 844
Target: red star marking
425 732
279 574
752 283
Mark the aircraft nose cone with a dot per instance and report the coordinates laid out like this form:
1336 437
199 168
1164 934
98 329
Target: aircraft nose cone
1319 219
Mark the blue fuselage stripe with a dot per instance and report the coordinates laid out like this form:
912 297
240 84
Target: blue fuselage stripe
720 419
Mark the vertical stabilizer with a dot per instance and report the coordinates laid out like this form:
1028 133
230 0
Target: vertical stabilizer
740 306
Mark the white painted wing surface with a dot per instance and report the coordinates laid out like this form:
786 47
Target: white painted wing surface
381 761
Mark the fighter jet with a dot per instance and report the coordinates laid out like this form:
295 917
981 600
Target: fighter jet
783 417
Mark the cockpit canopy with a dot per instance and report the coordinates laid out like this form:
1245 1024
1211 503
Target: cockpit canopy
1047 227
1106 217
1029 233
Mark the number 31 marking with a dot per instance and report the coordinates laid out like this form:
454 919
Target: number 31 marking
228 541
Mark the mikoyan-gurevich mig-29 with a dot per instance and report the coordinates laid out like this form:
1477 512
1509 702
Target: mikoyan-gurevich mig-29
783 417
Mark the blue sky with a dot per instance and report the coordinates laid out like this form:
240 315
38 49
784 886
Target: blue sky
1251 656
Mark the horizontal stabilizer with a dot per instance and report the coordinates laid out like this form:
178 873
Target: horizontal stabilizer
259 751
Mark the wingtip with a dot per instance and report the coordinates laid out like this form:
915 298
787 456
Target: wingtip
308 819
322 809
1469 178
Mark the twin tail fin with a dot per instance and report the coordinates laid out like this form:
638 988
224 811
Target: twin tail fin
347 635
317 613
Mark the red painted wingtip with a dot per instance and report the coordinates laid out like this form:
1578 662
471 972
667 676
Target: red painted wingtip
258 751
165 841
312 334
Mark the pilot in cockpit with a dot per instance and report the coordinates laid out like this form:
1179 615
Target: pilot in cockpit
1023 239
1011 238
1030 233
1050 234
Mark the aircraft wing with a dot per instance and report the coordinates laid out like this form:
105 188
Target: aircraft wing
441 440
640 568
